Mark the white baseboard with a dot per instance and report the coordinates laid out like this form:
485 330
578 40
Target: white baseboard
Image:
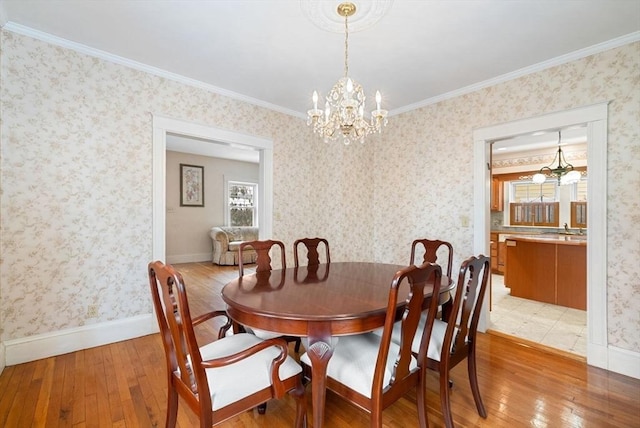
3 357
61 342
189 258
624 362
614 359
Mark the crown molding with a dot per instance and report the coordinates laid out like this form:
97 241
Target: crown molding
87 50
563 59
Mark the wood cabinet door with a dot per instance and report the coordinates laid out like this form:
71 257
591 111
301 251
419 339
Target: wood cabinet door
496 195
579 214
502 256
572 276
524 275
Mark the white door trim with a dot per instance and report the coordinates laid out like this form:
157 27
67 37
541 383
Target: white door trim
163 125
595 117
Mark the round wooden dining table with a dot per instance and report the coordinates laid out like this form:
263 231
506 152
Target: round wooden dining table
317 302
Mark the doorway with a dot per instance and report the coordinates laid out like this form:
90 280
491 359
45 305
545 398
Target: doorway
163 126
595 119
559 328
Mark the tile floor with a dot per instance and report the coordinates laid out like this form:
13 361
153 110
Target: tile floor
550 325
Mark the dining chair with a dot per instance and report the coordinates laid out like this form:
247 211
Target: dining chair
263 263
453 340
372 371
313 256
225 377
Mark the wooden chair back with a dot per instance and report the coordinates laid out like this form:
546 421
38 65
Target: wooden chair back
262 249
313 255
431 250
263 264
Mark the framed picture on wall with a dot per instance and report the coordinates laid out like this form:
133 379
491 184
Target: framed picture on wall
191 185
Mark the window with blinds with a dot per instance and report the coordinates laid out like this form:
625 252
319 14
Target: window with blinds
526 191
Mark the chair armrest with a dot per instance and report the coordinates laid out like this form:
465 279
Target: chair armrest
220 236
275 365
213 314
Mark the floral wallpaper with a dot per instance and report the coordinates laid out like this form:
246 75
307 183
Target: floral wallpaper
76 179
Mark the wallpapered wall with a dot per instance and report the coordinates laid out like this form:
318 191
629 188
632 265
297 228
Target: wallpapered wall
76 178
187 228
433 148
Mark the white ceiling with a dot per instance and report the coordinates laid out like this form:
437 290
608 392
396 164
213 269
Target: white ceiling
268 52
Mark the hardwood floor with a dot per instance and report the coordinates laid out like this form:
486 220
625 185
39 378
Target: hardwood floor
123 385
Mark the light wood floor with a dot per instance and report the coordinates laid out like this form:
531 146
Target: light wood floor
123 385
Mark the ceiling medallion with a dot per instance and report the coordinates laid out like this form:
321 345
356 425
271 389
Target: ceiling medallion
322 13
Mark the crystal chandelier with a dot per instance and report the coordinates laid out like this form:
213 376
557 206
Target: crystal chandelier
343 115
563 172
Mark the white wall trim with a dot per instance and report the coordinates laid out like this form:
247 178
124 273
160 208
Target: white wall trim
553 62
3 357
163 125
595 116
189 258
46 345
87 50
624 362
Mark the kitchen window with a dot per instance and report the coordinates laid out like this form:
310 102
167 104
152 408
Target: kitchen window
547 204
534 204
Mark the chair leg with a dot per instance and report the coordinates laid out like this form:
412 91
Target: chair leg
172 407
298 343
423 418
445 402
473 380
298 394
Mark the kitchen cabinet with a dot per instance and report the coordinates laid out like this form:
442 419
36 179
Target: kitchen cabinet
498 254
497 194
502 257
548 268
494 252
534 214
579 214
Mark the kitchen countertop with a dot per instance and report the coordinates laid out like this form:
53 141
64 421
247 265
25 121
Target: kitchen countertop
547 238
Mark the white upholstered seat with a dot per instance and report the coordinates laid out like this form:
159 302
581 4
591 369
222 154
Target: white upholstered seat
354 361
254 370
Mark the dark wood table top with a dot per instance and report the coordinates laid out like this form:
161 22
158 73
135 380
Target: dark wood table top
352 296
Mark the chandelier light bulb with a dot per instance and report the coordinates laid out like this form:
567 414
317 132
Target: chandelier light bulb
315 100
378 100
539 178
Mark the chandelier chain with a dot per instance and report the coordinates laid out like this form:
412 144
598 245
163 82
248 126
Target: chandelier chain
346 46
